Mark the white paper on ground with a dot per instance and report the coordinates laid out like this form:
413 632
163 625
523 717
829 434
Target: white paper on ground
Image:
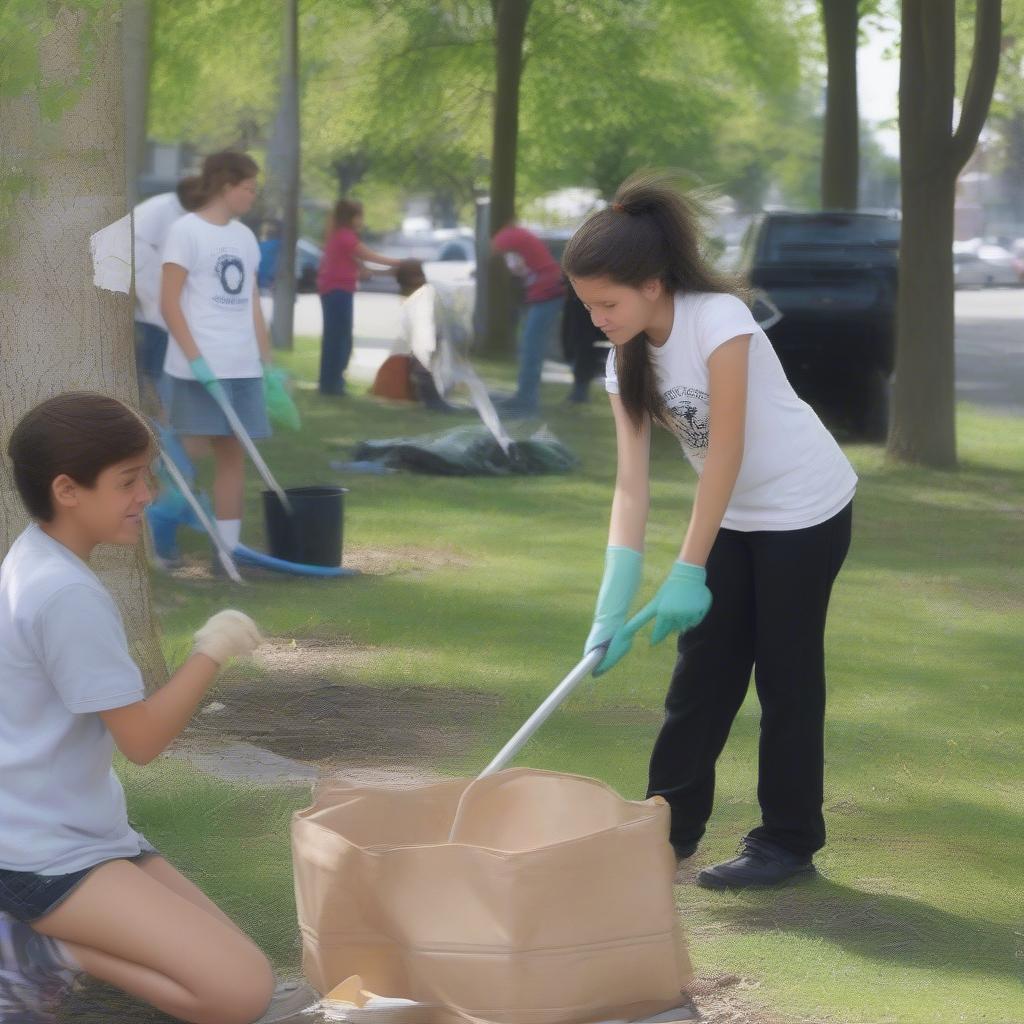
350 1003
111 249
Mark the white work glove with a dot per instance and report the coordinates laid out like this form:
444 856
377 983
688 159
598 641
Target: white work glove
228 634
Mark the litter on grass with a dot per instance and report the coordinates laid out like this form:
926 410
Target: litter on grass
470 450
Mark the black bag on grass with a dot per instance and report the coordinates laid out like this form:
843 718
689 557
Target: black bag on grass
469 451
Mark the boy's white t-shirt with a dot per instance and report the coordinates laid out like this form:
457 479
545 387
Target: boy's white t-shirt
793 474
417 328
63 658
221 260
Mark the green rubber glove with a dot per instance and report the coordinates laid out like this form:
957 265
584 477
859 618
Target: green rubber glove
681 603
201 370
623 568
280 407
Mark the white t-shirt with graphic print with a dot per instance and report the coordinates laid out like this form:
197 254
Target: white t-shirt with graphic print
221 260
793 474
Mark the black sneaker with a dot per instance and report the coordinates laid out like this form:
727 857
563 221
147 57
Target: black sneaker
683 851
759 864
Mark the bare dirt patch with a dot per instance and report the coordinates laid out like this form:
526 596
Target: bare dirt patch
335 726
723 999
379 561
364 558
302 657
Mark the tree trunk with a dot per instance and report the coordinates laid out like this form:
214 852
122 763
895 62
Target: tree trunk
923 428
840 154
1013 174
135 36
58 332
283 179
510 17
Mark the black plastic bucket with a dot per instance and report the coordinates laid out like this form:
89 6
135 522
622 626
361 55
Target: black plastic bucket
312 534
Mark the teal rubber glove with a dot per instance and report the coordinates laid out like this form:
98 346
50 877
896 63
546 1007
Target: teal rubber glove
623 568
201 371
681 603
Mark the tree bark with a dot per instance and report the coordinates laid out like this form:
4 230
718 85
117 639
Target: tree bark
510 17
1013 173
58 332
283 179
923 428
841 148
135 36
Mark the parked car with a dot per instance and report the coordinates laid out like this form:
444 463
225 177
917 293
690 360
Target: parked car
307 265
984 265
832 277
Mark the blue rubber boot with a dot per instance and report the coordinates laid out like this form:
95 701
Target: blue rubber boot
163 518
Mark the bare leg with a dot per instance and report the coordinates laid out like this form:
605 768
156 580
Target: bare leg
132 930
167 874
229 481
196 447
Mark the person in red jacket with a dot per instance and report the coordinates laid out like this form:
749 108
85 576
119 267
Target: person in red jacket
340 270
530 259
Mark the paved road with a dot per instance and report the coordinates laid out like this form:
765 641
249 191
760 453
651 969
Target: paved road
376 327
989 342
990 348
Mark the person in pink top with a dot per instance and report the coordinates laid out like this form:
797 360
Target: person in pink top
340 270
530 259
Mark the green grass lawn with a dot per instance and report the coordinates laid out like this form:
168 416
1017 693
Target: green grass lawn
918 916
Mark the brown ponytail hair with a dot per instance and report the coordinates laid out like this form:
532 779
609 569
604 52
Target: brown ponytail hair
650 230
227 167
344 213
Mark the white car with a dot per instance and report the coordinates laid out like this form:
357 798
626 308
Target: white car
984 266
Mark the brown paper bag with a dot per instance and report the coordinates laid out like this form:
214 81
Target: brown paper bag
527 897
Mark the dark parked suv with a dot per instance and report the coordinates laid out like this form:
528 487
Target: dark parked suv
832 276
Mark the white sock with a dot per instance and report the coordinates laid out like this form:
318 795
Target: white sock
230 531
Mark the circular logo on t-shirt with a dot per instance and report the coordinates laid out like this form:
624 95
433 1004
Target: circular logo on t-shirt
231 272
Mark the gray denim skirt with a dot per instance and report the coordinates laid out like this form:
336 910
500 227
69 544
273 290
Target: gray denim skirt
194 413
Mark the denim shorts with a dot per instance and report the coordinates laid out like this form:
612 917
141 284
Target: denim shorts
194 413
28 896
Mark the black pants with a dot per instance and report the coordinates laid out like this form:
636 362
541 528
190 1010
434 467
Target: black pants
770 595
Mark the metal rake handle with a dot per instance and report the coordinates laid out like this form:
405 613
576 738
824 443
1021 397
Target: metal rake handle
557 696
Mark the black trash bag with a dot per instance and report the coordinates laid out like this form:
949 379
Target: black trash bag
470 451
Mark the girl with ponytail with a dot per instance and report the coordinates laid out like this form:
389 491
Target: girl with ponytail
767 534
219 340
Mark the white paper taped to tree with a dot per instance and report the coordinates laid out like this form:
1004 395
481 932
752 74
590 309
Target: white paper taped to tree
111 249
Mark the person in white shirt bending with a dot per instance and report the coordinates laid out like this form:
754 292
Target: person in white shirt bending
218 337
151 222
767 535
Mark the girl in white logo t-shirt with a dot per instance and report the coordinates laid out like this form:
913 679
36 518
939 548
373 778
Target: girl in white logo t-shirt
768 532
218 338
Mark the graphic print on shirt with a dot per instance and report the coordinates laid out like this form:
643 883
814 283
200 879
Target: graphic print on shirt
687 411
230 271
